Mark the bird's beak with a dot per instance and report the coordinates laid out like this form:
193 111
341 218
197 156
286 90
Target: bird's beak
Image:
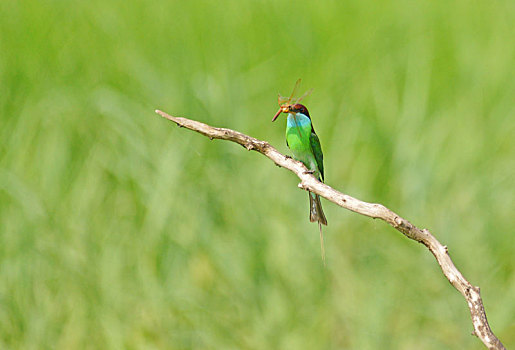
282 109
277 114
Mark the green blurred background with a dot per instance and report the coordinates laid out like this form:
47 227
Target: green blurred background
119 230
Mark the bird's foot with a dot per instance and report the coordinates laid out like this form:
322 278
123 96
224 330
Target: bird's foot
287 157
309 172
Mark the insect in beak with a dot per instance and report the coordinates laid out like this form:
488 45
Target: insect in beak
282 109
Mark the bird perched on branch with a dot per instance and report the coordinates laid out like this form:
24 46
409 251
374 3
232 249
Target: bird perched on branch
303 141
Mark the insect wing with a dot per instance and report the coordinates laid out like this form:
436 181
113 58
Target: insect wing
294 89
306 94
282 100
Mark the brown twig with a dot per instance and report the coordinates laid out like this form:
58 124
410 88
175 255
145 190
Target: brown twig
309 182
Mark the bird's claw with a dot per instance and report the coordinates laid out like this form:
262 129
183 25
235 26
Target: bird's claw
311 172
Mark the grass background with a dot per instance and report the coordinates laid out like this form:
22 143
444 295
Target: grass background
119 230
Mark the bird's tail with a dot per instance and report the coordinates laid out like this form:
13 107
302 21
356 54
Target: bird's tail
315 209
317 214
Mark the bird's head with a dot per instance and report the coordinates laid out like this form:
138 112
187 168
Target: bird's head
291 108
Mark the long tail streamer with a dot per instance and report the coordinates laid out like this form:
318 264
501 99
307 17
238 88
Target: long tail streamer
322 242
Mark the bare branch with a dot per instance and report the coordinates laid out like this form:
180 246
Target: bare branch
310 183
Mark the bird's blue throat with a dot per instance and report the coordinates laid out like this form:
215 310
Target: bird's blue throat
299 120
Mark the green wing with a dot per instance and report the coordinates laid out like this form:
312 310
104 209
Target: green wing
317 151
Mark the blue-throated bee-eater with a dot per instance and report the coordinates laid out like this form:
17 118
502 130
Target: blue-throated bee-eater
303 141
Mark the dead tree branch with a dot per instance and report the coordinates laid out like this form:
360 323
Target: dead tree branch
377 211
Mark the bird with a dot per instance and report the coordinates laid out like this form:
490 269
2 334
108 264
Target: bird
304 143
